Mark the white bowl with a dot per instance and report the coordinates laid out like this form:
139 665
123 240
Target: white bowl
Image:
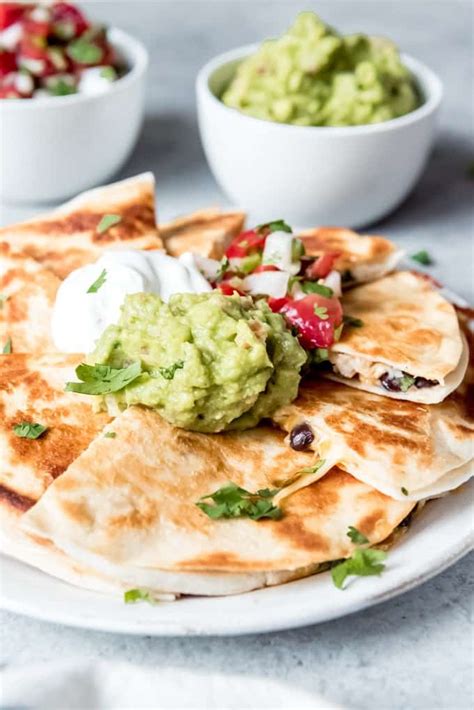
54 147
309 174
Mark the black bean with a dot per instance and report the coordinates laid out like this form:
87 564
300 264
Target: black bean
421 382
392 384
301 436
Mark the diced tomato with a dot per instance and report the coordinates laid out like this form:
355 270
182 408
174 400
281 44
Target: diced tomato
68 22
246 243
314 330
7 63
8 92
320 268
11 12
276 304
265 267
228 290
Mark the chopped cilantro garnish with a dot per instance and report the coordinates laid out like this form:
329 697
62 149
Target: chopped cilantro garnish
28 430
321 312
406 382
404 491
132 596
103 379
7 348
107 221
61 88
98 283
223 266
422 257
363 563
278 225
306 471
84 52
168 372
351 321
231 501
356 536
314 287
110 435
297 249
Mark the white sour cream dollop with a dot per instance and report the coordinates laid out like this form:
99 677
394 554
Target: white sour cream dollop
79 318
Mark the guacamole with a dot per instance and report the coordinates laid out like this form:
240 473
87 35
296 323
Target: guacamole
313 76
208 361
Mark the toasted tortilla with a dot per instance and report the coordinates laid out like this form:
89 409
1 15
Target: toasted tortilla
27 291
126 509
206 232
404 449
407 326
362 258
32 390
68 237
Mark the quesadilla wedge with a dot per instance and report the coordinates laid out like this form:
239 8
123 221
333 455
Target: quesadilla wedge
31 395
404 449
407 343
206 232
126 509
361 258
27 292
114 216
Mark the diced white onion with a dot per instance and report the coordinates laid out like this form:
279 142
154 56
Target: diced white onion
208 267
10 38
92 82
24 83
268 283
333 281
278 251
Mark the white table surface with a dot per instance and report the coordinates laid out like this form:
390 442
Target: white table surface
415 651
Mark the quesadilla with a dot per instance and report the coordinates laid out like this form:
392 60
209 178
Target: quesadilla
31 395
361 258
115 216
27 292
404 449
126 509
206 232
408 344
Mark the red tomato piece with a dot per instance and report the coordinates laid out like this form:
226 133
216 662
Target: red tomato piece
68 22
228 290
7 63
315 330
265 267
276 304
11 12
320 268
8 92
246 243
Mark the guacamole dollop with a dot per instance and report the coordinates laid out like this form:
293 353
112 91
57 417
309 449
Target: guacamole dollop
313 76
208 361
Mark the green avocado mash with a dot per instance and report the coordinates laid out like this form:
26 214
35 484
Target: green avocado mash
312 76
207 361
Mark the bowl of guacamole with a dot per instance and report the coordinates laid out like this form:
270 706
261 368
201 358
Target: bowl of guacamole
322 127
205 362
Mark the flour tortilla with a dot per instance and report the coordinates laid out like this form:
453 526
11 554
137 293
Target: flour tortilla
206 232
362 258
404 449
409 327
68 238
32 390
126 509
27 291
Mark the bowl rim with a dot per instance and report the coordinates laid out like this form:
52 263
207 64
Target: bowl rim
119 38
430 81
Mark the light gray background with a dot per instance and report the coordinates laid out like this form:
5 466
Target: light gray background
416 651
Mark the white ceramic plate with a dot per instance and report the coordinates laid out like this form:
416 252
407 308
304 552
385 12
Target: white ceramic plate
439 536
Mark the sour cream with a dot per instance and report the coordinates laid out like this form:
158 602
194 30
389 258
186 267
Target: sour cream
79 318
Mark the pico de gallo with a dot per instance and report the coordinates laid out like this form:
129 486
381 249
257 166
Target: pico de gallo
270 262
53 50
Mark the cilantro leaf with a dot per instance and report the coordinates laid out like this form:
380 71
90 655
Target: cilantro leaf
321 312
231 501
356 536
107 221
306 471
7 348
223 266
404 491
297 249
313 287
28 430
84 52
103 379
168 372
98 283
110 435
278 225
351 321
363 563
61 88
132 596
406 382
422 257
